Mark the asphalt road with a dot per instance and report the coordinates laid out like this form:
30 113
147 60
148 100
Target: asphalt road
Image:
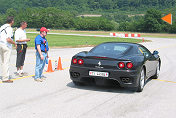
58 97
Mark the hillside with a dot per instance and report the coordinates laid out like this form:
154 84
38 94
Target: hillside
90 6
106 15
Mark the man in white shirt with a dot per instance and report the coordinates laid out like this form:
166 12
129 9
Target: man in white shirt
21 39
6 41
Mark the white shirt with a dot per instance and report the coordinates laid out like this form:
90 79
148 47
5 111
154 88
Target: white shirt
6 31
20 35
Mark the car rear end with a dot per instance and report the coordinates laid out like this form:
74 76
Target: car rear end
101 69
106 62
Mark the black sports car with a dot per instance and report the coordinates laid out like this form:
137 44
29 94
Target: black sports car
130 64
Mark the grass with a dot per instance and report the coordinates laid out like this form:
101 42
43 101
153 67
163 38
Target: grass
78 41
160 36
74 32
154 35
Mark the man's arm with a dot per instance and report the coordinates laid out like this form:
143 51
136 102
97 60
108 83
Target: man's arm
9 40
24 40
9 33
40 52
47 55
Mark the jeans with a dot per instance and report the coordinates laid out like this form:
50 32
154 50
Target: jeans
40 64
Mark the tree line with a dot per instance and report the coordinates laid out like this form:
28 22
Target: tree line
150 22
55 18
83 6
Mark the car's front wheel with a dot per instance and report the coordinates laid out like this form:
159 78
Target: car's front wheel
157 72
141 83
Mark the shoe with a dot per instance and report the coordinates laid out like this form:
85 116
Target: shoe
38 80
24 73
7 81
20 74
42 79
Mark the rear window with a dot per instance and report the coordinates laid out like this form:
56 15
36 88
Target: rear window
110 48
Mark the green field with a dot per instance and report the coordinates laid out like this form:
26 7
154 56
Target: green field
78 41
75 32
160 36
107 33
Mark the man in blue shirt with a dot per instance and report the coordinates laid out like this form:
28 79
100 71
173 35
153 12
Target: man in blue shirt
41 46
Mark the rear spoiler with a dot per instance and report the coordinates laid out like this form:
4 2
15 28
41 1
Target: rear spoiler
105 58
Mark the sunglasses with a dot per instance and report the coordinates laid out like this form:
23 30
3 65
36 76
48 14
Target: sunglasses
45 32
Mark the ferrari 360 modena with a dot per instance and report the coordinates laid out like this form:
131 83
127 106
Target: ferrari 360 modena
129 64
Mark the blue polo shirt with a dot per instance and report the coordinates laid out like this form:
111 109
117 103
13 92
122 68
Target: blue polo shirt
42 42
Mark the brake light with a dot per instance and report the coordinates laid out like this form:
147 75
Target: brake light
121 64
80 61
129 65
74 61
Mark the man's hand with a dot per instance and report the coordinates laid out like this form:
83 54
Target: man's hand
42 57
15 46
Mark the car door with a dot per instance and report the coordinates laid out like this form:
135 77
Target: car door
150 61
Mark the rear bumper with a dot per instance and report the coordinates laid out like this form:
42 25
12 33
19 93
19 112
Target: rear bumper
126 78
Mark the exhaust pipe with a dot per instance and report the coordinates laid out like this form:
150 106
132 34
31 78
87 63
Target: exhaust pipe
125 79
75 74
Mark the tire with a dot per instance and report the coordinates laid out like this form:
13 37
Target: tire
78 83
157 72
141 83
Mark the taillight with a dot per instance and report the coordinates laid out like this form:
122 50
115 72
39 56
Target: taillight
80 61
74 61
129 65
121 64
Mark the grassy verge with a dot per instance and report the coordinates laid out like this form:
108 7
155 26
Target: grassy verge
154 35
160 36
75 32
78 41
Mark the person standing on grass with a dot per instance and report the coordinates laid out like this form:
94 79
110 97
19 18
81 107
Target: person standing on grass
41 46
21 39
6 41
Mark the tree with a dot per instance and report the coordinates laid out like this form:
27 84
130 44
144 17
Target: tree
2 19
93 24
173 28
124 26
152 21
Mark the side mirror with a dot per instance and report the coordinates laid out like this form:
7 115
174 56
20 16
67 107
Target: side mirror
155 52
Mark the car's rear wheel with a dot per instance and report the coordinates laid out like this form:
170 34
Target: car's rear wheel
78 83
141 81
157 72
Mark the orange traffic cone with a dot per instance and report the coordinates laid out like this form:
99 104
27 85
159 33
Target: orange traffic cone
50 69
59 66
143 40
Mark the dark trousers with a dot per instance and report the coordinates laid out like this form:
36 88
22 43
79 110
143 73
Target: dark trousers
21 52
